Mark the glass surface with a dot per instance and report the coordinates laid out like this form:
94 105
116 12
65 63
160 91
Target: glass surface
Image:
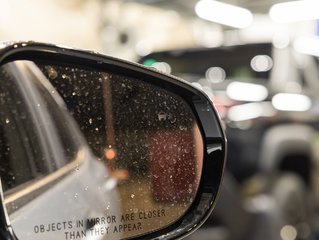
91 154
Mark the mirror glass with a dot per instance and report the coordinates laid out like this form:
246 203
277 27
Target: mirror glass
90 154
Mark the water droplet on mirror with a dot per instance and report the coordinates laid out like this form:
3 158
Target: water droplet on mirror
132 195
172 120
7 120
182 128
187 150
23 116
86 188
76 196
52 73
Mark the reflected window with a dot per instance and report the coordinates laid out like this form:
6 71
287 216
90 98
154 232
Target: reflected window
33 129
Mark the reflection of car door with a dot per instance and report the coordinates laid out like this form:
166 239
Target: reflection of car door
46 168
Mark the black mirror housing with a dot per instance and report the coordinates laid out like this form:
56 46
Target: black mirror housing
168 107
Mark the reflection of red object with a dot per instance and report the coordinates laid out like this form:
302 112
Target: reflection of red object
120 174
110 154
173 166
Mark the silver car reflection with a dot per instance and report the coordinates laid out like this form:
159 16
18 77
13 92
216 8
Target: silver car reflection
48 172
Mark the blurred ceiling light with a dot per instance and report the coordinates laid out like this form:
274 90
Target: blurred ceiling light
250 111
295 11
249 92
223 13
244 112
307 45
162 66
288 232
291 102
261 63
215 74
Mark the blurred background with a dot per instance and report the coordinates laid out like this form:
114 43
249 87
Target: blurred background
133 28
257 60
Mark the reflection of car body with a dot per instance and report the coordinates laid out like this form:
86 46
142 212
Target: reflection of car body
270 134
53 178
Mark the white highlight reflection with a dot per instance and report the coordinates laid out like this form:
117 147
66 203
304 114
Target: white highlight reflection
250 111
223 13
261 63
215 74
307 45
288 232
295 11
291 102
249 92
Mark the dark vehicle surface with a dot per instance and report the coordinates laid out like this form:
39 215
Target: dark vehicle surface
267 97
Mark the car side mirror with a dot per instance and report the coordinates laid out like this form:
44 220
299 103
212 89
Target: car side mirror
94 147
